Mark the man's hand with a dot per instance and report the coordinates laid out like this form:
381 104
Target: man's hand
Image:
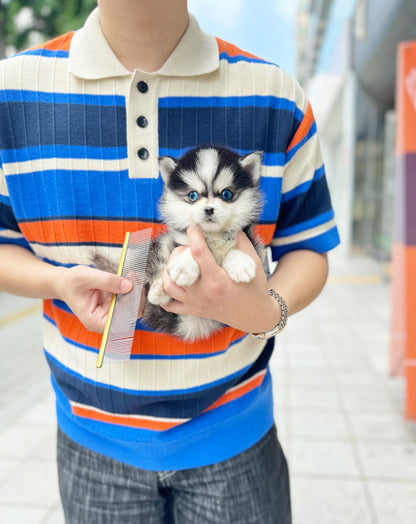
88 292
244 306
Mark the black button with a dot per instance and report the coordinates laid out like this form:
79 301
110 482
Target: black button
142 87
143 153
142 121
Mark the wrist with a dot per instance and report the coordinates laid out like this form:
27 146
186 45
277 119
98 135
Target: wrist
280 317
53 282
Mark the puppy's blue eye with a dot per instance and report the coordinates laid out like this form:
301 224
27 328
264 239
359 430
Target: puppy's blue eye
226 195
193 196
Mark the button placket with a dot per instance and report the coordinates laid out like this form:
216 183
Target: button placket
142 126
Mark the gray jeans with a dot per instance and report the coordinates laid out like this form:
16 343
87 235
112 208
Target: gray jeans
252 487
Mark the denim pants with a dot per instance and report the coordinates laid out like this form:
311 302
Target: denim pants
252 487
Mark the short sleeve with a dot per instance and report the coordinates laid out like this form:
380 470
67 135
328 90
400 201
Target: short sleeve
306 218
9 228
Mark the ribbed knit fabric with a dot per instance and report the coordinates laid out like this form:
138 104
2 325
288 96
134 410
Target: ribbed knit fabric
71 185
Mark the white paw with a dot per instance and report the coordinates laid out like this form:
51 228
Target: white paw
156 295
239 266
183 269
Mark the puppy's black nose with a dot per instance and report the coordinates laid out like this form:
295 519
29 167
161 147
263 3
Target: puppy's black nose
209 211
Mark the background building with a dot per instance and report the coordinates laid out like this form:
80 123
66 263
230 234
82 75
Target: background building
347 55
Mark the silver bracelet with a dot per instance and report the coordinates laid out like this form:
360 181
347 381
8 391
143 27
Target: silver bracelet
284 308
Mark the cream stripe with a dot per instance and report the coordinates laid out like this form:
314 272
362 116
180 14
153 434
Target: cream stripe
304 235
19 72
9 233
130 416
77 164
303 165
77 254
84 164
153 375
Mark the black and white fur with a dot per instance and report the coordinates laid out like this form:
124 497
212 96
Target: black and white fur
218 190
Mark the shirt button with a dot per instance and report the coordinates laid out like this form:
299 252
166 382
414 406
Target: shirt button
142 87
143 153
142 121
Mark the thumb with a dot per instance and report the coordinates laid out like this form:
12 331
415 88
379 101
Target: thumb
111 283
199 248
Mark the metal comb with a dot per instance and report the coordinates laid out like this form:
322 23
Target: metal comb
122 316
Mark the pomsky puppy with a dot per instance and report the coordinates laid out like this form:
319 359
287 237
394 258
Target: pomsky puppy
218 190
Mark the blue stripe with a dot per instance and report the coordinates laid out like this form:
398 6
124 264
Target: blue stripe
303 226
303 188
63 193
63 151
46 52
321 243
118 197
15 241
242 58
268 159
21 95
271 102
243 423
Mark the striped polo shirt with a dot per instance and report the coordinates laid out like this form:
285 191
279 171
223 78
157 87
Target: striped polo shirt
79 168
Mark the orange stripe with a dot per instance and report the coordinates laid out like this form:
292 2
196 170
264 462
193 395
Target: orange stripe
145 342
123 420
61 43
101 231
265 232
232 50
83 231
303 129
238 391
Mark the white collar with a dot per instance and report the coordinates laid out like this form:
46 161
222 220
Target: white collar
91 57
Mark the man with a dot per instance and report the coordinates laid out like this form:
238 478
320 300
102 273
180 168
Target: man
181 432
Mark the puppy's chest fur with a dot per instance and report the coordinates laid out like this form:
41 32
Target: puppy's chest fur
219 245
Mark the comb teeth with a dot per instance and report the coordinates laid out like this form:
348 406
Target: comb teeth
122 317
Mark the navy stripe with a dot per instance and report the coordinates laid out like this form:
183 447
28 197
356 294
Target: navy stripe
304 207
39 123
240 128
125 402
321 243
307 224
7 217
302 188
245 128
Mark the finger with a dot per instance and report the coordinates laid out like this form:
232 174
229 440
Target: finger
245 244
171 288
200 250
109 282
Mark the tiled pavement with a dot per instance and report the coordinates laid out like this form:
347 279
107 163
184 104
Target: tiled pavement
351 454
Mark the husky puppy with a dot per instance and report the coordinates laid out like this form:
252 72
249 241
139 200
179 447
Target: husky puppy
218 190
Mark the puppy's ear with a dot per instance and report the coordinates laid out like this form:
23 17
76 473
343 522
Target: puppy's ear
252 164
167 166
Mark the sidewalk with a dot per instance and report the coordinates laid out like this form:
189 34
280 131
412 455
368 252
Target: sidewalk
351 454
